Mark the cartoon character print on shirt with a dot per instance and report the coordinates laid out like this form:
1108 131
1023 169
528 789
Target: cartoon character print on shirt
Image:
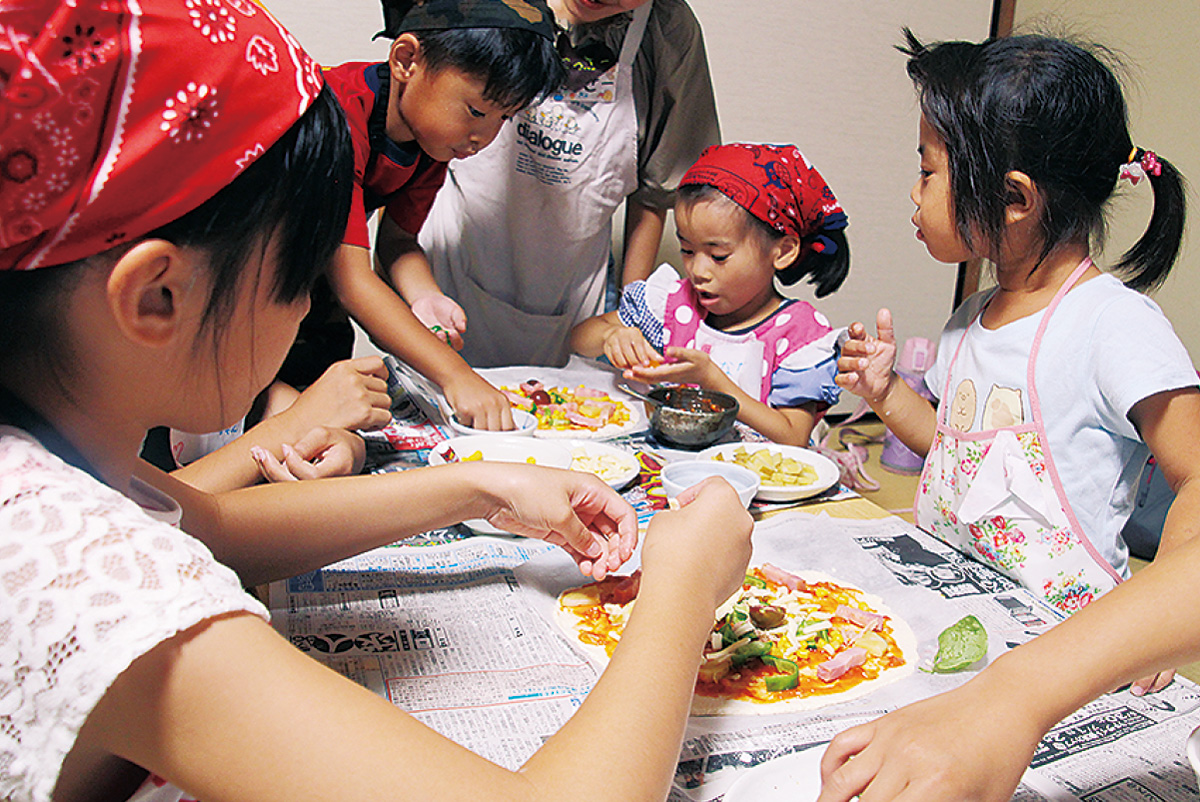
962 407
1002 409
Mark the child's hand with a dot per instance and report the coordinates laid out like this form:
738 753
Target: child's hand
477 403
443 316
350 394
706 541
626 346
682 365
571 509
865 367
933 750
325 451
1152 684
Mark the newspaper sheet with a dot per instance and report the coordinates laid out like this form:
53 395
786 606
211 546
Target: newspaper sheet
461 635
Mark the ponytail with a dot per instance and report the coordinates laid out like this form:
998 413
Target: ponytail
1145 266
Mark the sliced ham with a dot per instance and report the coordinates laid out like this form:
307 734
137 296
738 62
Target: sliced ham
626 590
832 669
588 392
862 618
580 419
532 386
788 580
518 401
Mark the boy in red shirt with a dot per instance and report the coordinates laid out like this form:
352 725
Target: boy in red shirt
456 70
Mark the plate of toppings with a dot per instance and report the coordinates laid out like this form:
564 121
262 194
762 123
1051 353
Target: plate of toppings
499 448
613 465
787 473
785 641
575 411
526 424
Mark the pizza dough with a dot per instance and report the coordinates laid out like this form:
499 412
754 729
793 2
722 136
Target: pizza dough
595 628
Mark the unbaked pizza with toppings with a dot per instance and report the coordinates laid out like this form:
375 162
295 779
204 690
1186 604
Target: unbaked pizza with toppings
783 642
580 412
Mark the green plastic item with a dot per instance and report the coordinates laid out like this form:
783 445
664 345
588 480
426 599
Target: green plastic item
960 645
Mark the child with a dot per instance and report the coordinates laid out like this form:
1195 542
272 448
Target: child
1053 384
746 215
521 235
161 285
456 70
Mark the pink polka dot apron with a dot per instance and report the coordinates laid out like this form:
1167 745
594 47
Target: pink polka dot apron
749 358
996 494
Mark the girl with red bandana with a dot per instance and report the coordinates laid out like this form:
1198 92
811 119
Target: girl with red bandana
746 216
173 176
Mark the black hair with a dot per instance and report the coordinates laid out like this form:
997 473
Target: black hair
297 195
1053 110
826 269
517 66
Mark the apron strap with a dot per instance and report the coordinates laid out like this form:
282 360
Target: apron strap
1035 406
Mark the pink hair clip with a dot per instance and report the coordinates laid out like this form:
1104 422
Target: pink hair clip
1141 163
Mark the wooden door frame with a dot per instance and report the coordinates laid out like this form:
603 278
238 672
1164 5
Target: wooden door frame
967 281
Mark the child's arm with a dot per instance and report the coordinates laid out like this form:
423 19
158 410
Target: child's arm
351 394
394 328
198 709
643 234
975 742
254 530
866 368
624 346
787 425
402 263
1169 423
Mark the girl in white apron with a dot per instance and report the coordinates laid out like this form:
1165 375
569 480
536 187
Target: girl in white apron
1053 385
520 234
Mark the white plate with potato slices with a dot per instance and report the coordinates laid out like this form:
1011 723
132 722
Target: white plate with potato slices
613 465
787 473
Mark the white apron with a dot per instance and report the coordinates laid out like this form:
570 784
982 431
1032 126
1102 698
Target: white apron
520 233
996 494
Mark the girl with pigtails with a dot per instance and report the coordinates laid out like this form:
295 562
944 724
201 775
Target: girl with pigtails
1056 385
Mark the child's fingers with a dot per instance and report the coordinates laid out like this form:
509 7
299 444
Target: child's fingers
371 366
271 468
883 326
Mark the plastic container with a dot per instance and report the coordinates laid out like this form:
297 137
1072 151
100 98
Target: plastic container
915 358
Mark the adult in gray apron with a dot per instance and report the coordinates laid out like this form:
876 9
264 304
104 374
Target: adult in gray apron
525 253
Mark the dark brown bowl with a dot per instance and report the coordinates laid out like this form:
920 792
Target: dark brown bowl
691 418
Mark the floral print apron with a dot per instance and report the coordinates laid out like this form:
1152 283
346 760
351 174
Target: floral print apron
996 495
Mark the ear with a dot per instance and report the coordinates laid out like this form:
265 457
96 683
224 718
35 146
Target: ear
1021 195
785 251
404 58
150 291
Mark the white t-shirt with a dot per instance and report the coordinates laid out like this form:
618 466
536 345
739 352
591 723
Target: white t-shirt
88 583
1106 348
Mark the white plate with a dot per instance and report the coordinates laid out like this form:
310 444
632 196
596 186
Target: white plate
827 471
526 426
794 778
500 448
620 476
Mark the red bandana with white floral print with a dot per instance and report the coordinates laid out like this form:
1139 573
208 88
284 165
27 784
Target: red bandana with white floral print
118 116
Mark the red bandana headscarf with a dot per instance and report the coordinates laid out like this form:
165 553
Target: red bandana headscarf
776 184
119 116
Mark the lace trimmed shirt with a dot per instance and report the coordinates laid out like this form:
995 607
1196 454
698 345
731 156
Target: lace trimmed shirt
89 582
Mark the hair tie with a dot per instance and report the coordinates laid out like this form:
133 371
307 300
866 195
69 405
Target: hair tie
1141 164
